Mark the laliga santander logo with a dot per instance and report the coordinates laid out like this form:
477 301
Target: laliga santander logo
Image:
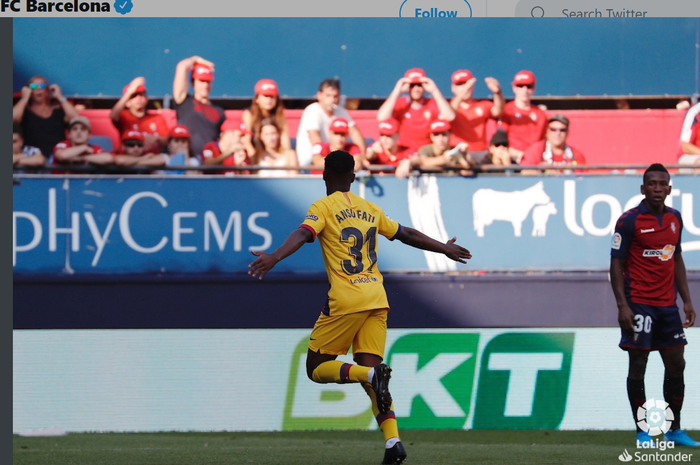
654 417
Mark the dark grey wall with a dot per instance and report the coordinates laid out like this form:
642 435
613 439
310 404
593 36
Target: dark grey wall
417 301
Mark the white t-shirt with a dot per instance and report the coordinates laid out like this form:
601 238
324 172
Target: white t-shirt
314 118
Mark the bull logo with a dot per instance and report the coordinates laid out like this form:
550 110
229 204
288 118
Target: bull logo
489 205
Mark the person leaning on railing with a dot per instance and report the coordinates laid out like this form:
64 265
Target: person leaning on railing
271 154
24 155
229 150
690 141
553 150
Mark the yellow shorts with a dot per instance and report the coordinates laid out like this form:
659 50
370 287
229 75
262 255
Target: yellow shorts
365 331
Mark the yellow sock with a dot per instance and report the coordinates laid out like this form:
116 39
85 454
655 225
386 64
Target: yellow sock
387 423
335 371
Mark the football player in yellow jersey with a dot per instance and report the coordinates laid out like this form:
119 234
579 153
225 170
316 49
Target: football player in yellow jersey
356 310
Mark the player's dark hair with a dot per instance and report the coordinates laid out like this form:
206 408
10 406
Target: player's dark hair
332 83
339 162
656 167
17 129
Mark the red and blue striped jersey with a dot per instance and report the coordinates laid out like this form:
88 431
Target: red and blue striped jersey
649 244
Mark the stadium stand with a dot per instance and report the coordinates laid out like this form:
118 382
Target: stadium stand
605 136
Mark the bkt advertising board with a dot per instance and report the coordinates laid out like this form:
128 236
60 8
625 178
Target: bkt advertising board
205 225
255 380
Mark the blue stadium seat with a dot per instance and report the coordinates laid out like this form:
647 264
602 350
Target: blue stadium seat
103 141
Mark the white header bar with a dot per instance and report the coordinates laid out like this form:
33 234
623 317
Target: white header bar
423 9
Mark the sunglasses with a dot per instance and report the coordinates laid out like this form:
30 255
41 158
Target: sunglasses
133 144
500 144
40 85
558 129
529 86
415 85
138 94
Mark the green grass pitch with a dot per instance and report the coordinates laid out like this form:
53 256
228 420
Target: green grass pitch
331 447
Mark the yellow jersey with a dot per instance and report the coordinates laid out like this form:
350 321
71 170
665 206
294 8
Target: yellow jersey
347 227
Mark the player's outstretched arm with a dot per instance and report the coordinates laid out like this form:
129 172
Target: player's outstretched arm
682 285
417 239
265 262
617 280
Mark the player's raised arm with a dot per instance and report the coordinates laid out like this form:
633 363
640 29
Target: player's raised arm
417 239
265 262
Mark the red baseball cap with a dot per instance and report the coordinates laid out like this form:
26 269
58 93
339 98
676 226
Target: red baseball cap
439 126
339 125
415 75
266 87
524 77
180 132
388 127
461 76
234 125
132 134
139 90
202 72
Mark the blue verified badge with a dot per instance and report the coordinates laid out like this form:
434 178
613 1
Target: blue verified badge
123 6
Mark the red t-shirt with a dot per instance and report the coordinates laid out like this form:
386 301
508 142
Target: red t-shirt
384 158
695 134
525 127
352 149
96 149
147 124
469 125
212 150
534 156
414 129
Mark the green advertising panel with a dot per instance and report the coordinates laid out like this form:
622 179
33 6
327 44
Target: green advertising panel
436 372
524 381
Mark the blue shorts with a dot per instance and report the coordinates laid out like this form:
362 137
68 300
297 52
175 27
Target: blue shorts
654 328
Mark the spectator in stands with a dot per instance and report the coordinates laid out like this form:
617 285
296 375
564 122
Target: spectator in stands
133 151
313 126
387 151
472 115
76 150
524 122
43 112
498 149
272 154
129 113
180 150
24 155
266 104
690 140
196 111
415 112
438 153
553 150
338 129
229 149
